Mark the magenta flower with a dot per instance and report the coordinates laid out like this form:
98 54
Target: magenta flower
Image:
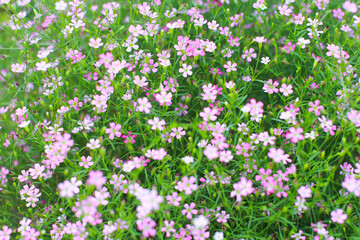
75 103
289 47
77 58
129 138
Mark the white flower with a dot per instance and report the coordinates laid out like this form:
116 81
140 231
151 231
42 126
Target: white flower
265 60
302 42
218 236
93 144
42 66
128 166
24 124
188 159
200 222
230 85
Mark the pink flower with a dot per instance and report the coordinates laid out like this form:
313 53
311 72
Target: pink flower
327 125
211 152
248 54
286 89
129 138
208 114
164 98
298 236
174 199
222 217
95 43
143 105
86 162
255 107
270 86
189 210
278 155
350 7
96 178
314 107
69 188
338 216
289 47
230 66
18 68
188 185
169 228
354 117
304 192
147 227
284 10
295 134
5 233
75 103
114 130
233 41
37 171
333 50
242 188
77 57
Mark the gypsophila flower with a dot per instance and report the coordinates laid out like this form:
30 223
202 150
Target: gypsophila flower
95 43
93 143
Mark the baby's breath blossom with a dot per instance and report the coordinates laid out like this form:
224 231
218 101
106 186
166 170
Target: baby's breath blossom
248 54
338 216
69 188
156 123
286 89
260 39
284 10
187 159
86 162
164 98
93 143
95 43
242 188
186 70
265 60
187 115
